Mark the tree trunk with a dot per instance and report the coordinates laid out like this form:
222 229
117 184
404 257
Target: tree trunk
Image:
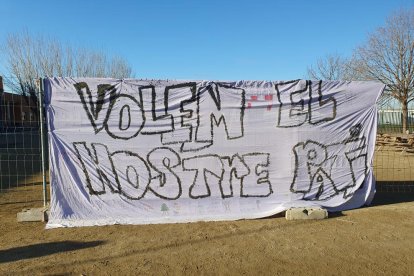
404 115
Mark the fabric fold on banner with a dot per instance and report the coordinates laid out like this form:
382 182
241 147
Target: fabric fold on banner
154 151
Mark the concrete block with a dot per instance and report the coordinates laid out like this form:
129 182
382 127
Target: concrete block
33 214
306 213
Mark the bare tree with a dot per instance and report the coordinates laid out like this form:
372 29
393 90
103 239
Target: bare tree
388 57
29 57
330 67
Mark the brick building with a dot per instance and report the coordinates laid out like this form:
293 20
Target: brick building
17 110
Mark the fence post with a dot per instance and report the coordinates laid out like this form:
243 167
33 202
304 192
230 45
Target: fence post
42 139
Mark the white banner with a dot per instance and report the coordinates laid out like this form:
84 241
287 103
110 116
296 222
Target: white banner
140 151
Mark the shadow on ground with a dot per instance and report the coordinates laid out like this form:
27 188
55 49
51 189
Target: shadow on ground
386 198
393 192
43 249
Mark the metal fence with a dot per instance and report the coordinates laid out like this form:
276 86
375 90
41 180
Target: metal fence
394 161
394 151
390 121
21 174
22 178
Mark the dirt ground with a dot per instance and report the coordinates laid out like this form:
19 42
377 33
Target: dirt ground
369 241
375 240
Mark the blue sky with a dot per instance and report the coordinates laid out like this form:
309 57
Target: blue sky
215 40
